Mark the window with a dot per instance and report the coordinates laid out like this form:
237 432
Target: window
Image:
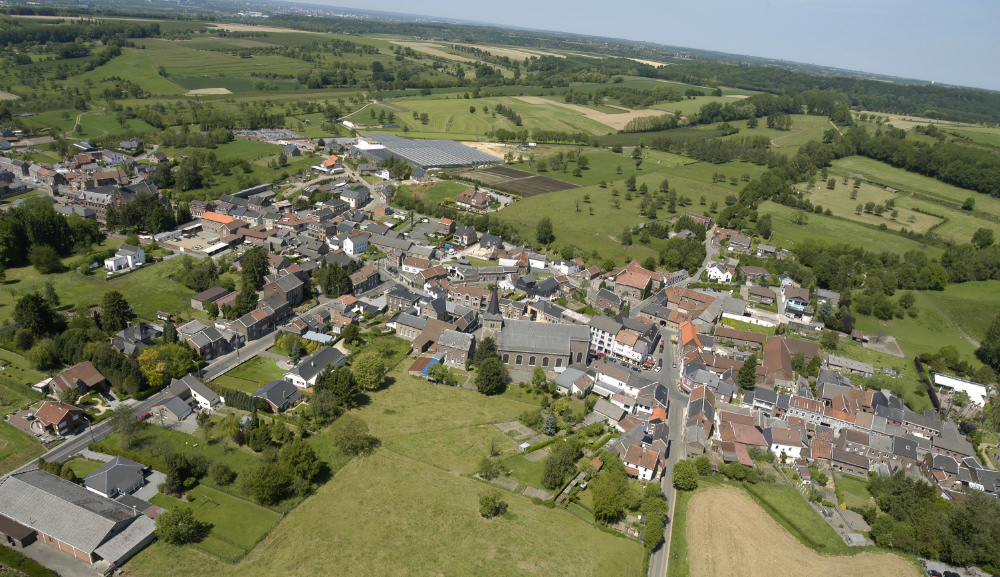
517 360
545 361
558 363
531 361
579 357
506 359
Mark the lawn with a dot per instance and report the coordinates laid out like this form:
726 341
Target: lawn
149 289
83 467
251 375
790 510
414 492
17 448
743 326
237 525
852 490
437 192
525 471
832 229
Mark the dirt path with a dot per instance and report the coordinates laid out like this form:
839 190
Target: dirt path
955 326
728 534
616 121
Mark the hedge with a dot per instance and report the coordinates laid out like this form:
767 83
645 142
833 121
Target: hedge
19 562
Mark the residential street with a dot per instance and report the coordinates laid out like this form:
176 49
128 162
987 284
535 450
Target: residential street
675 451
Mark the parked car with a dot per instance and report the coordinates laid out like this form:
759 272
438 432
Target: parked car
933 573
661 346
145 416
675 365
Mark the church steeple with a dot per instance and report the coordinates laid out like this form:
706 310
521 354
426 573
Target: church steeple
492 320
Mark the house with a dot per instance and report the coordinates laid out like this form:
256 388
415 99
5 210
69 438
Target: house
491 242
759 294
133 339
446 226
606 300
59 418
354 243
465 235
739 243
83 377
119 476
364 279
848 462
211 295
413 265
289 287
73 519
172 409
304 374
473 200
574 382
126 257
642 462
720 273
827 296
400 298
456 347
280 395
796 298
844 364
785 442
356 197
189 389
754 273
977 393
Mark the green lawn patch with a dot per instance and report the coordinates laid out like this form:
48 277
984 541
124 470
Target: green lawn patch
83 467
237 524
791 511
17 448
744 326
251 375
526 471
852 490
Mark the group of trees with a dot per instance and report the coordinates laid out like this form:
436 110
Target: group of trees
614 495
911 517
35 233
491 374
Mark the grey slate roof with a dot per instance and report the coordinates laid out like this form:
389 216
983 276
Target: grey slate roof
312 365
119 475
606 324
455 340
544 338
281 393
61 509
190 383
177 407
613 412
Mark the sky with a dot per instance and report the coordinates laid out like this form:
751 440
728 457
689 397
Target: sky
951 42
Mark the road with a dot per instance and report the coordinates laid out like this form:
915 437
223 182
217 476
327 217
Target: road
659 559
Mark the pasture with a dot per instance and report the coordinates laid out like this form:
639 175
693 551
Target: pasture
415 493
728 534
237 525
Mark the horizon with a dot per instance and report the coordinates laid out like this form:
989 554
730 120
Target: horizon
875 38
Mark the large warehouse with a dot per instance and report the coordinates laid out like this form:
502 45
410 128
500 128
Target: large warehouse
422 153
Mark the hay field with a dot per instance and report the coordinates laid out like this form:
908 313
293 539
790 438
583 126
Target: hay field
728 534
616 121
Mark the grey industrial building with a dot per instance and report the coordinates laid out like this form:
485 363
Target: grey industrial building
425 153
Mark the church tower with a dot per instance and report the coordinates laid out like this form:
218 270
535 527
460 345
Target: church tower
493 320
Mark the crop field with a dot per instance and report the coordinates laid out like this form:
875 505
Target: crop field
728 534
616 119
518 181
980 134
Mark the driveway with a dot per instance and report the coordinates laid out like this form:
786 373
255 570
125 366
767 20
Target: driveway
152 486
56 560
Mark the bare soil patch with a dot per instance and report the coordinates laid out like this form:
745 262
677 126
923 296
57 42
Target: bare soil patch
616 121
199 91
8 96
650 62
249 28
496 149
728 534
518 181
887 345
434 50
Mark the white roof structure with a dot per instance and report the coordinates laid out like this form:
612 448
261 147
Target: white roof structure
977 392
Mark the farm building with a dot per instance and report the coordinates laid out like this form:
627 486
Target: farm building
423 153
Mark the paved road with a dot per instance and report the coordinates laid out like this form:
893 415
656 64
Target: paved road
219 365
659 560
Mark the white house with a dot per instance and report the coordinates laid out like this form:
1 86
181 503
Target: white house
720 273
566 266
356 243
303 375
631 345
189 387
642 462
977 392
784 441
128 256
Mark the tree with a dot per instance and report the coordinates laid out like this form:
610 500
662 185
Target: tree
369 370
490 505
178 526
487 348
982 238
543 231
267 483
68 395
351 333
490 376
169 333
350 433
703 465
652 534
153 367
296 352
831 184
989 349
746 378
253 267
299 459
685 476
33 312
609 488
115 312
550 426
764 226
969 204
45 259
125 424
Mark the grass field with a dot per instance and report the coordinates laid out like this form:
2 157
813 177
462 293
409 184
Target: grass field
853 490
839 201
237 524
17 448
251 375
413 493
831 229
748 327
525 471
149 289
728 534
